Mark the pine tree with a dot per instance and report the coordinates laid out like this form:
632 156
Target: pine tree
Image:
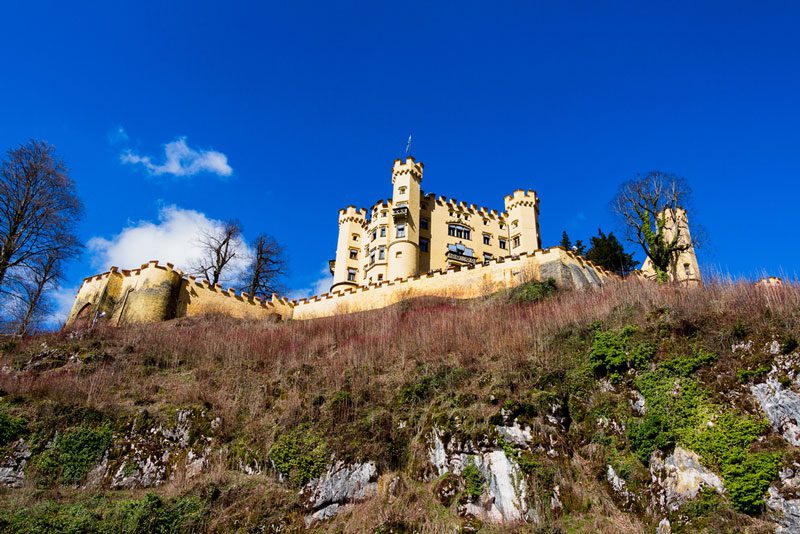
565 241
579 248
607 252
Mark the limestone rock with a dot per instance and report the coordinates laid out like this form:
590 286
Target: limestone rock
664 527
340 485
619 486
786 512
680 477
782 407
12 467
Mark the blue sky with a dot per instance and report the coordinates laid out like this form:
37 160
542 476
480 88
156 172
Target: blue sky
286 112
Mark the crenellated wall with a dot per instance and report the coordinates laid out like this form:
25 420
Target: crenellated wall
156 292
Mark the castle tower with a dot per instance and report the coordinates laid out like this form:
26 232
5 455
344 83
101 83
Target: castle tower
522 216
350 248
403 250
684 268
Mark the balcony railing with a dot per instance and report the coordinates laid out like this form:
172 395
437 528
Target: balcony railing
400 213
460 258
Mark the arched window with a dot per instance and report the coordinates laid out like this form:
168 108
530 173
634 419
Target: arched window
457 230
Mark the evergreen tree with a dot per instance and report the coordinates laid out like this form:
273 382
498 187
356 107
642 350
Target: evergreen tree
565 241
579 248
607 252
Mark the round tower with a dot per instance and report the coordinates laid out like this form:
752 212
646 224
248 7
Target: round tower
403 250
347 271
522 217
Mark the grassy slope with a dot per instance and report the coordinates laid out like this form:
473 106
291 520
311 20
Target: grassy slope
370 386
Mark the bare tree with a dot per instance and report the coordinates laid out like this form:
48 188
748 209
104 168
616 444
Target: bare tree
651 208
219 248
43 273
266 266
38 207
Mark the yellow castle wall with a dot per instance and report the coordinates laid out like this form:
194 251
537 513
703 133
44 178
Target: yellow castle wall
461 283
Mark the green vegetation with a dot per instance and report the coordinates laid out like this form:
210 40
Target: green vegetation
150 514
300 455
10 427
533 291
679 411
751 375
616 351
72 455
474 481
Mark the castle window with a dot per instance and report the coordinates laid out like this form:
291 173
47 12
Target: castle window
687 269
355 237
383 214
351 275
502 226
503 244
515 241
399 254
401 190
380 277
424 244
487 256
486 222
353 253
382 253
487 239
372 258
423 224
383 231
456 230
374 234
514 223
401 230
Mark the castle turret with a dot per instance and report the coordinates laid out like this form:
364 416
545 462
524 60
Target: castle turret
404 241
350 248
522 217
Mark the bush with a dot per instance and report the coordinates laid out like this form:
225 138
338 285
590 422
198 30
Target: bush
73 454
748 375
299 455
533 291
614 352
474 482
10 427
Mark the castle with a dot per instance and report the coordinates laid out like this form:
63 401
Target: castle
414 232
414 245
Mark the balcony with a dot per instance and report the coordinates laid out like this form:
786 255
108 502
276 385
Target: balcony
400 213
460 255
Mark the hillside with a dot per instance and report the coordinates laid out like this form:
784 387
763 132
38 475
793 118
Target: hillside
607 410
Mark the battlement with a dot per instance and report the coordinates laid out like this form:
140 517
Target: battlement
520 197
409 166
353 214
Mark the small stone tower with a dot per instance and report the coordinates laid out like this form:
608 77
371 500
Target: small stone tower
350 249
685 268
522 216
403 247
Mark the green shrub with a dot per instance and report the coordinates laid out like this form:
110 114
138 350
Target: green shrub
749 375
150 514
653 432
426 385
788 344
300 455
73 454
613 352
474 481
10 427
533 291
687 365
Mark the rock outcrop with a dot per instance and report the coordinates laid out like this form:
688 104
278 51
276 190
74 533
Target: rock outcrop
12 467
679 478
340 486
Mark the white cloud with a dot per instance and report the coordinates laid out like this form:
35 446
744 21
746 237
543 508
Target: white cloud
318 287
63 298
117 135
173 239
182 160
